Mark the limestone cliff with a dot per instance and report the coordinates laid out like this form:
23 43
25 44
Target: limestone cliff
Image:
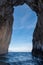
38 32
6 22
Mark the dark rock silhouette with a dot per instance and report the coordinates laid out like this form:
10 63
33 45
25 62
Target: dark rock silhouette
6 22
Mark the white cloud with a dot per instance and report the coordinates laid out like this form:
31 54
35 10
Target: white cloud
24 19
24 48
20 49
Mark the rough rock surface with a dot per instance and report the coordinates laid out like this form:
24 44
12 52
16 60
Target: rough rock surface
6 22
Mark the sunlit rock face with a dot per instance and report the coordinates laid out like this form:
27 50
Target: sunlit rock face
6 22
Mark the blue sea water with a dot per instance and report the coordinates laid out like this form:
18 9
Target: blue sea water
20 58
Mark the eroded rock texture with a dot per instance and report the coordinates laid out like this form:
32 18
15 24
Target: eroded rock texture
38 32
6 22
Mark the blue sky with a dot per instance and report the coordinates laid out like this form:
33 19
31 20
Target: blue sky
24 23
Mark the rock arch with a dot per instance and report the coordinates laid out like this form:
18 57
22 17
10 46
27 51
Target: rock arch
6 22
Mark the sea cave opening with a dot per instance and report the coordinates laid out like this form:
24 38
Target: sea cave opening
23 26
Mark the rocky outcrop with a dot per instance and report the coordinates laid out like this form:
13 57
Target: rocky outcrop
38 36
38 32
6 22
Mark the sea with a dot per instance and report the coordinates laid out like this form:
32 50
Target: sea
20 58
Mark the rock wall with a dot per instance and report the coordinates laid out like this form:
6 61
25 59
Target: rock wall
38 36
6 22
38 32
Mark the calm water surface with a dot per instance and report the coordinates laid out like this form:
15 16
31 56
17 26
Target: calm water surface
20 58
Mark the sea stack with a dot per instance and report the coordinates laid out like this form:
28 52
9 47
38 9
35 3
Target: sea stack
6 23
